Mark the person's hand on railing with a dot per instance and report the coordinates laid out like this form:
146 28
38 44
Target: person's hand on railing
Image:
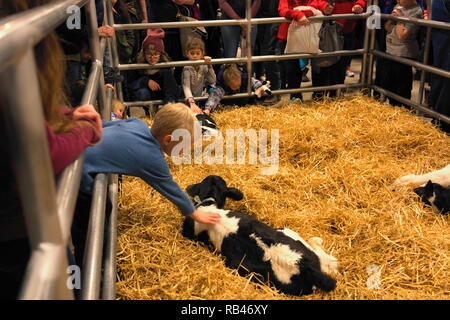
302 22
357 9
88 112
106 31
110 86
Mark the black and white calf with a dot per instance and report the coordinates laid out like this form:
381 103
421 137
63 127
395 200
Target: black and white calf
436 196
281 256
434 189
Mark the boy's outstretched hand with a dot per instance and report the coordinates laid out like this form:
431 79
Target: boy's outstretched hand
205 217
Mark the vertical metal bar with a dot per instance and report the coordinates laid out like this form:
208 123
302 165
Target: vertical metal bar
110 239
94 42
109 259
366 53
114 50
248 16
92 265
425 61
371 60
31 156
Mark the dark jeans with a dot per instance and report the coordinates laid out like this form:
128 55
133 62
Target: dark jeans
293 73
395 77
267 44
335 74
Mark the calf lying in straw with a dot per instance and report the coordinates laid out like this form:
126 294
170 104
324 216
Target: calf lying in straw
280 256
434 189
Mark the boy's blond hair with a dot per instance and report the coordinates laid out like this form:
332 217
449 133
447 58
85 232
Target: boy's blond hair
171 117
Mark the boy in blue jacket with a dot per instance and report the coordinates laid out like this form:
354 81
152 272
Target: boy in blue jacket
131 148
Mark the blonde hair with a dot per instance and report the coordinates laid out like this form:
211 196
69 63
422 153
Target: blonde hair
231 74
116 104
171 117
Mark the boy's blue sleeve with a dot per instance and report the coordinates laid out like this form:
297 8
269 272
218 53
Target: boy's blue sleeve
167 187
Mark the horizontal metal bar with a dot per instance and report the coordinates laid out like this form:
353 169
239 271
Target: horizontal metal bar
413 104
244 95
139 66
231 22
413 63
93 252
23 31
420 22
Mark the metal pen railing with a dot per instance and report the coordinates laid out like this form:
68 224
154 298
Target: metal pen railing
368 52
249 59
423 66
48 206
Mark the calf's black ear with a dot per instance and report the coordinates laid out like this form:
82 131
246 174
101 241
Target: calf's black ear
193 189
234 194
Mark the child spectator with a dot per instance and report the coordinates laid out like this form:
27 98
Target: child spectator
196 78
117 110
232 79
401 41
167 11
154 84
128 147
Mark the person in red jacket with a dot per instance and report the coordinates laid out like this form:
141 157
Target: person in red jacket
336 73
298 17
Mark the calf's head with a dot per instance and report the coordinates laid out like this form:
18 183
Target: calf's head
436 196
215 188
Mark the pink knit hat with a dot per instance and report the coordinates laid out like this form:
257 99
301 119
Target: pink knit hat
154 37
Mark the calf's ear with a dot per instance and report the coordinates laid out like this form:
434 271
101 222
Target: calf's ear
234 194
193 189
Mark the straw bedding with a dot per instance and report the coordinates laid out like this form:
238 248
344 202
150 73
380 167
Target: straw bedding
338 160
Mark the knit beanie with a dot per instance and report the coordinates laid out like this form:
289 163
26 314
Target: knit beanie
154 37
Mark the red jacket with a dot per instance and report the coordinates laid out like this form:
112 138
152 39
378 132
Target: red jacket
341 7
286 9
